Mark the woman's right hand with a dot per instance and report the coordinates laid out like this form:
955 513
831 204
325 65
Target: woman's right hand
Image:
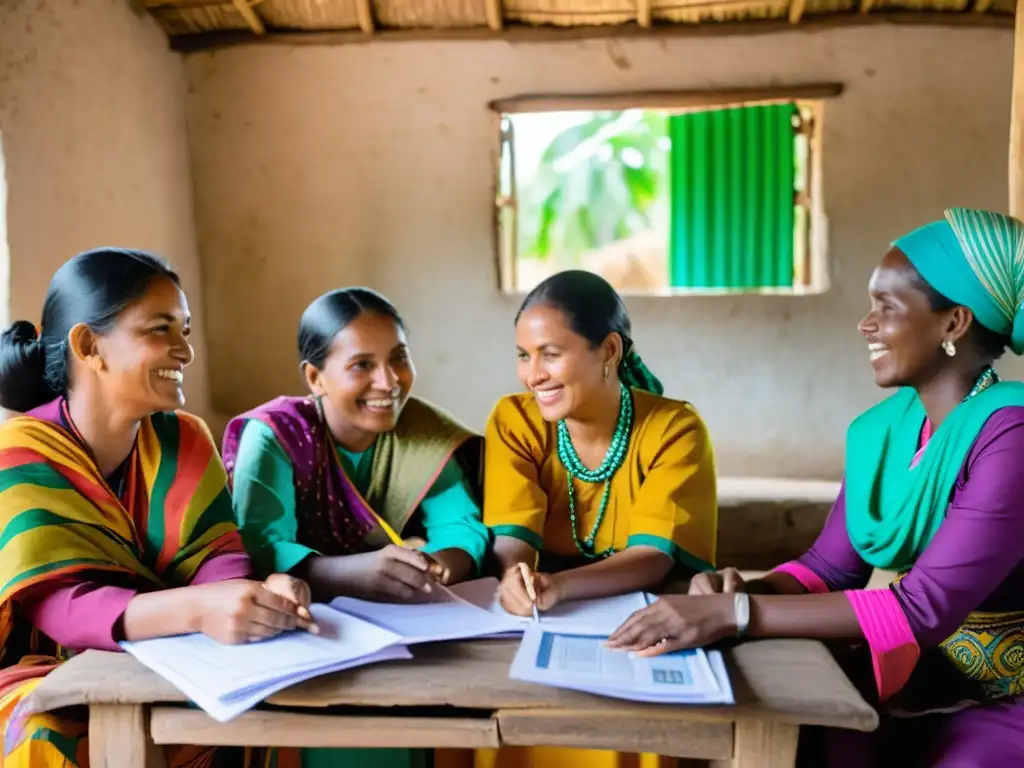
390 574
241 611
724 581
514 595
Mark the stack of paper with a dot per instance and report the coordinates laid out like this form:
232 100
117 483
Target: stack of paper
226 680
472 610
452 619
578 659
606 613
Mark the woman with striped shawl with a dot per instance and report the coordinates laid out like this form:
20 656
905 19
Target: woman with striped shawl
115 516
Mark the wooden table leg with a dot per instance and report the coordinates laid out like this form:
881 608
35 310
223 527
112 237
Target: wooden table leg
761 744
119 737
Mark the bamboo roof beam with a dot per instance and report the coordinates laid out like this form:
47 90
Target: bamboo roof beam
364 12
244 7
643 13
495 14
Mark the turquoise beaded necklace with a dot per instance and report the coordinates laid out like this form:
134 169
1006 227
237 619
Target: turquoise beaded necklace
613 459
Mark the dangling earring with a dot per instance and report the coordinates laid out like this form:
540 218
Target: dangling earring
318 399
606 373
949 347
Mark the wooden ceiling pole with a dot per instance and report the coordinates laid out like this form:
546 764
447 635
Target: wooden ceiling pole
495 14
244 7
1017 119
643 13
364 12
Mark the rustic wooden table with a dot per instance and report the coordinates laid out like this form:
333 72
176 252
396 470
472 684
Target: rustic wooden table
460 695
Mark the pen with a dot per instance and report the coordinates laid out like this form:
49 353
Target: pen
530 591
399 542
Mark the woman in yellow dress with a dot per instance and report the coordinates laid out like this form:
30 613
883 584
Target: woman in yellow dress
594 480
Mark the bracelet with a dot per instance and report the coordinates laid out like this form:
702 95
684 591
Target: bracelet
741 603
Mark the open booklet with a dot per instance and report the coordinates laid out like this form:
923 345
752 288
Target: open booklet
226 680
578 659
472 610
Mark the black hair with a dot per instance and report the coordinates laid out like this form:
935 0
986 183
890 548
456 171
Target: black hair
93 287
593 310
330 313
991 343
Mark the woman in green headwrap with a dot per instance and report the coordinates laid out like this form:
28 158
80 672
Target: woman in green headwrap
933 491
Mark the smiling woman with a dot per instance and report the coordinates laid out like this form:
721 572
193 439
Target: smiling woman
594 481
97 470
932 492
327 486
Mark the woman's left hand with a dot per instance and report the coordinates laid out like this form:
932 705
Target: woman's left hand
675 622
298 592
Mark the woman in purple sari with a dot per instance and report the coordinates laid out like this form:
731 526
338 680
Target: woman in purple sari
933 491
333 486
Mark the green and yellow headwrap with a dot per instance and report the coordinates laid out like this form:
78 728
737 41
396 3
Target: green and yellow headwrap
975 258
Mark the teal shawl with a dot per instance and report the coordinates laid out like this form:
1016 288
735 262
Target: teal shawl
976 259
893 511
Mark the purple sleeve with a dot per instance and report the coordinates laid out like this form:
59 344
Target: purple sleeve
88 614
832 557
979 544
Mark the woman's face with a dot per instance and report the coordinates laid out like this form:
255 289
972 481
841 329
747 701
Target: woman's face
903 332
366 378
141 361
560 367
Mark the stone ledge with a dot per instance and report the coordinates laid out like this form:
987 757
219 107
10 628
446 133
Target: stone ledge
763 522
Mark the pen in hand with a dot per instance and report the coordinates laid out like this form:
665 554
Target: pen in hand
524 570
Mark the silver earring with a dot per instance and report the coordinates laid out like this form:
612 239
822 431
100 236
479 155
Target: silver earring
606 374
949 347
320 408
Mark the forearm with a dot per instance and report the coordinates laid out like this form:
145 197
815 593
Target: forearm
626 571
328 577
459 564
510 552
164 613
820 616
775 583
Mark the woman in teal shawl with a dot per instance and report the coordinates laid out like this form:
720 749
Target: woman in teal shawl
933 491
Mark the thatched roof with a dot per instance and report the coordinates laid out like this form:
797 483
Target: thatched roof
200 23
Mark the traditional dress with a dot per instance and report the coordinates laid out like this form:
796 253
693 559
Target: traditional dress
76 547
944 510
297 493
663 496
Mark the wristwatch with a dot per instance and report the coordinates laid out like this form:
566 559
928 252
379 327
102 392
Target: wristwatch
741 603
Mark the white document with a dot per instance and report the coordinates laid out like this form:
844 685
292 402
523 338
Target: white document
453 619
578 659
225 680
604 614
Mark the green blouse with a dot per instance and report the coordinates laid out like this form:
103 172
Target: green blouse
264 499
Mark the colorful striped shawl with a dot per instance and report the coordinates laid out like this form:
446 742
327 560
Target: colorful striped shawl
59 517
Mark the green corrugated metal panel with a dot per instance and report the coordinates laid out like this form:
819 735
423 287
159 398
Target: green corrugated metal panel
732 198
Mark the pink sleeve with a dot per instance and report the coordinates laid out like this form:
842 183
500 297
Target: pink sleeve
808 579
87 614
230 565
81 616
894 649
